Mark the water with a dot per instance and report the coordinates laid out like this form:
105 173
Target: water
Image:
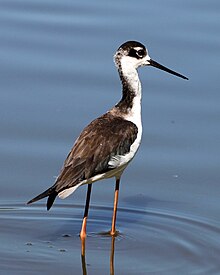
57 74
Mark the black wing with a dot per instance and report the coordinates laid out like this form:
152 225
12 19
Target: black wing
103 138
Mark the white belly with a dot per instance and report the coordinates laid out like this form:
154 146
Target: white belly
120 160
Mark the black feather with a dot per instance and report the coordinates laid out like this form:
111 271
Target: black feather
49 192
105 137
51 199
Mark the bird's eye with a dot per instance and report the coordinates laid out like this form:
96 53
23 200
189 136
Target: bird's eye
137 53
140 53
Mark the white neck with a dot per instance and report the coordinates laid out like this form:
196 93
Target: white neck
130 74
130 78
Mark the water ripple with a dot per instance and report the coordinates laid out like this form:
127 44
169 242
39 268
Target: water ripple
190 240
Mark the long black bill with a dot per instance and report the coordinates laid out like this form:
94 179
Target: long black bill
161 67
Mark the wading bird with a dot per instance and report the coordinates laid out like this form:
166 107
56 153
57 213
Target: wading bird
107 145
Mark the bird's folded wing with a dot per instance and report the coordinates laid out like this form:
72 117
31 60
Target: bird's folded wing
103 139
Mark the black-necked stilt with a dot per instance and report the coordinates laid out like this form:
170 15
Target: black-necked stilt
108 143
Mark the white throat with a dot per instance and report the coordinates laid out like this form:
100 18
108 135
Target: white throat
129 71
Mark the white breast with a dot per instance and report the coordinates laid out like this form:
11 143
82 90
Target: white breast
135 117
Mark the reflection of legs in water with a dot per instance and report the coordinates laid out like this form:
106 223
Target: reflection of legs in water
113 231
83 229
83 255
112 256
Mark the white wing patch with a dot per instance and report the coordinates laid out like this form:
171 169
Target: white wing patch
65 193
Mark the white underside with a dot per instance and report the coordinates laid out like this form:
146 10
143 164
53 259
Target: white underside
112 173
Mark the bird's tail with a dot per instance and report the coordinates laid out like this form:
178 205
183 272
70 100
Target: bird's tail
50 193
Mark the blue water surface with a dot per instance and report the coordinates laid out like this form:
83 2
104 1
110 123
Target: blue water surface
56 75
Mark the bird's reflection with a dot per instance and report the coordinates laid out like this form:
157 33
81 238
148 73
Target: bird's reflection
83 255
112 256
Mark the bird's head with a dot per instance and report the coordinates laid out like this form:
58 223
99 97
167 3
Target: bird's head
133 54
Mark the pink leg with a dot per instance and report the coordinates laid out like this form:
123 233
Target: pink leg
113 230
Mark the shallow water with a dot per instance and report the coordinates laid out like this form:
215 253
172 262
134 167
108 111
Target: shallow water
45 243
57 74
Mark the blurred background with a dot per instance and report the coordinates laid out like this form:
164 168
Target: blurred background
57 74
